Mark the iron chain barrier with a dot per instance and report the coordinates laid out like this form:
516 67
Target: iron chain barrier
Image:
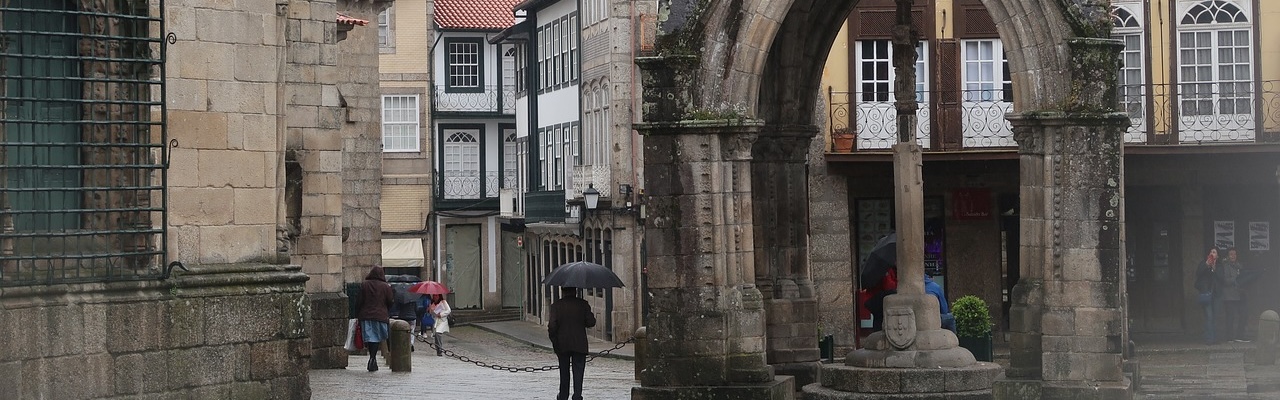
430 341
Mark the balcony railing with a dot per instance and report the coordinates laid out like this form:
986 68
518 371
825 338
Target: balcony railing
471 185
957 120
493 99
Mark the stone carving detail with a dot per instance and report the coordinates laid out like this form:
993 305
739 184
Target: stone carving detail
1088 18
900 326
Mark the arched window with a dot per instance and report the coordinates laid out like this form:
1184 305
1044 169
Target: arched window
1131 79
510 160
1214 11
461 173
1215 72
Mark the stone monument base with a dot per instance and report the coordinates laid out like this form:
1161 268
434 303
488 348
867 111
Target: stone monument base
1013 389
846 382
782 388
805 373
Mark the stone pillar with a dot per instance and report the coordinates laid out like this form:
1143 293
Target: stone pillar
706 329
779 199
1066 324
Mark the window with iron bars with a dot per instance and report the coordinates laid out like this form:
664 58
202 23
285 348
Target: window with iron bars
82 162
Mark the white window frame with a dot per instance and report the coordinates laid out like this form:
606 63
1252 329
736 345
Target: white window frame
386 33
471 61
405 117
985 98
876 116
510 159
1132 77
461 160
1203 92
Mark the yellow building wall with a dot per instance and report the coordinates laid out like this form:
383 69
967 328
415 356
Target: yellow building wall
412 40
1268 63
835 74
943 13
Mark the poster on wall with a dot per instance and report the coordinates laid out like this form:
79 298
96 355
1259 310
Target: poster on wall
1224 234
1259 236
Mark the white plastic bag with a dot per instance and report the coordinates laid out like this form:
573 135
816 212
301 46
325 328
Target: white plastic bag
351 335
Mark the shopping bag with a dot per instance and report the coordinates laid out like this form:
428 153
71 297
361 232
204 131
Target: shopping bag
352 331
359 337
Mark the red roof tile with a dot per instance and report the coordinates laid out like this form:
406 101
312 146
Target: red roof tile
346 20
475 14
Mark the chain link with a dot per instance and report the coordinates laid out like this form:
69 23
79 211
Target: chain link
430 341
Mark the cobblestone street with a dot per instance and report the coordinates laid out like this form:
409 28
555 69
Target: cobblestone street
1169 371
448 378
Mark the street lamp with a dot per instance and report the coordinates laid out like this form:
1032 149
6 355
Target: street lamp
590 199
591 196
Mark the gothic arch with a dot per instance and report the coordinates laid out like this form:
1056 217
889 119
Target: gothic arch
764 59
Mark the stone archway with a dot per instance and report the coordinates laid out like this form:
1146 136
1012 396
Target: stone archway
729 100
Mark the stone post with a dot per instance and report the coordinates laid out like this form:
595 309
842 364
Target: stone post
779 199
399 355
706 328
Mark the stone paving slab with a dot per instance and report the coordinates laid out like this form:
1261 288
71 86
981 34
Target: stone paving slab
449 379
1169 372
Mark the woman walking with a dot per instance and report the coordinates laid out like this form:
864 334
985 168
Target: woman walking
374 312
439 310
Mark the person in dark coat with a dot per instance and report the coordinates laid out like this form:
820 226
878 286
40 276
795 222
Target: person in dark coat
1207 285
373 309
570 317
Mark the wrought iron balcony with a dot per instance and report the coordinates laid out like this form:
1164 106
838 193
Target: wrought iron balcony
471 185
493 99
1199 113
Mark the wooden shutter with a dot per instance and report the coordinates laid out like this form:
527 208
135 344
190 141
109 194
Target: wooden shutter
949 119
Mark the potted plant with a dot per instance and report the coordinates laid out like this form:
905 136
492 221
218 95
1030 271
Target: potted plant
973 326
842 140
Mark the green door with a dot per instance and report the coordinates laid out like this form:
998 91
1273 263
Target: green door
41 114
462 265
512 271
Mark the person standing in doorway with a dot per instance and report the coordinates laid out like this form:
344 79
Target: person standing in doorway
570 317
439 310
374 312
1207 286
1233 302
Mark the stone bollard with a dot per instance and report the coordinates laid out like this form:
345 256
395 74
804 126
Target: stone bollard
399 357
1268 335
640 346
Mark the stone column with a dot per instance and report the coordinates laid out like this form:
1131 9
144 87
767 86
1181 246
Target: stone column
780 200
706 329
1066 325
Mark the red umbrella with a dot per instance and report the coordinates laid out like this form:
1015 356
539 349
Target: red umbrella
429 287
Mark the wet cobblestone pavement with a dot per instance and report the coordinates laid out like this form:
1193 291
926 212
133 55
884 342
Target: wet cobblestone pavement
451 379
1170 371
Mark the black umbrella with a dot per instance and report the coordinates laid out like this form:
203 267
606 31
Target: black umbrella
882 256
583 274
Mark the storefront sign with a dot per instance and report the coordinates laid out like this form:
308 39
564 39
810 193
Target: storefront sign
971 204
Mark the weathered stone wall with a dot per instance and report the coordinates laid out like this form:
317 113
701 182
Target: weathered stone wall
217 332
309 98
357 59
830 244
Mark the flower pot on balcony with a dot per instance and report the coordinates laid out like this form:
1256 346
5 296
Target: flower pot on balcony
842 140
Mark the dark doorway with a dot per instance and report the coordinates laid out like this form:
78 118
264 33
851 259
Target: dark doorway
1152 266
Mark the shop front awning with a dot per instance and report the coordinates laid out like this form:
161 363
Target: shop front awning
402 253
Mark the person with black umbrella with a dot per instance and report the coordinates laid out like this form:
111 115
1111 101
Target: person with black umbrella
879 277
570 317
